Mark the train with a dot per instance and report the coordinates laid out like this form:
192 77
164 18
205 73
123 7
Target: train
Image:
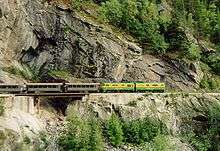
82 87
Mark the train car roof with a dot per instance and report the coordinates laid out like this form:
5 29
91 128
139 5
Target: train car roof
118 83
44 83
10 84
82 83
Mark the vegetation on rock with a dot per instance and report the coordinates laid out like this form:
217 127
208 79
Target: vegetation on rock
142 130
88 133
1 108
114 130
206 138
82 134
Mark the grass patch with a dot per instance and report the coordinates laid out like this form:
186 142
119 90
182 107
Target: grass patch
23 72
60 73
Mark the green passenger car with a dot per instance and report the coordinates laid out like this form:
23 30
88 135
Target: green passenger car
117 87
158 87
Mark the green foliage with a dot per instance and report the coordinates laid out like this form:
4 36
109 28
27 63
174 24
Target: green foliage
210 83
60 73
76 4
193 52
214 123
162 143
2 137
142 130
199 142
114 130
111 11
95 139
213 60
26 140
24 72
2 109
208 138
82 134
141 18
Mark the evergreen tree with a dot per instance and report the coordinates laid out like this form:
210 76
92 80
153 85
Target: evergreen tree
114 130
95 135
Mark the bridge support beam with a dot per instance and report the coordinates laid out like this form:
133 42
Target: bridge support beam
37 104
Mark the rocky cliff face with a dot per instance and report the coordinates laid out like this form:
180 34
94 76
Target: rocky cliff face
47 36
180 112
172 108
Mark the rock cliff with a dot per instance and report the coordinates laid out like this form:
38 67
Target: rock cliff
47 36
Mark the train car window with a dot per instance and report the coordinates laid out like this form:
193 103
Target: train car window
147 84
155 85
107 85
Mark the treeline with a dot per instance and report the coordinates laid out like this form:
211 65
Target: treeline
151 22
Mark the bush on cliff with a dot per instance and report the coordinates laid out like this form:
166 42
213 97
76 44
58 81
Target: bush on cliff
114 130
143 130
81 134
207 138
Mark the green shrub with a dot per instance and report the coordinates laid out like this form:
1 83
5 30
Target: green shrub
24 72
114 130
214 123
82 134
143 130
60 73
213 60
193 52
2 109
162 143
112 11
76 4
199 142
208 138
95 135
26 140
210 83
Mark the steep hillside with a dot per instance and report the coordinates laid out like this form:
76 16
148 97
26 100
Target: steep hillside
75 41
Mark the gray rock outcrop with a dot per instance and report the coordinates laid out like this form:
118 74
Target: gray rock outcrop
174 109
